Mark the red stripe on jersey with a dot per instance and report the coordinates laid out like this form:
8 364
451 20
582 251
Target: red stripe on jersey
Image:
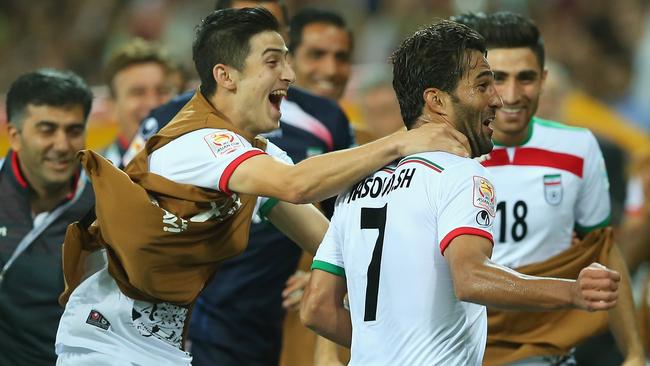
14 166
531 156
463 231
227 173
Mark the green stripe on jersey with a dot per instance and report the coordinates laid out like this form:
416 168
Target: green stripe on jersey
584 230
264 210
553 124
423 161
552 178
328 267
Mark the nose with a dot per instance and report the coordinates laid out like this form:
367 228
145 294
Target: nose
495 99
510 92
329 65
288 74
61 142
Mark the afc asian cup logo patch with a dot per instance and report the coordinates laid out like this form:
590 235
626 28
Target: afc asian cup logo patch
223 142
484 195
553 189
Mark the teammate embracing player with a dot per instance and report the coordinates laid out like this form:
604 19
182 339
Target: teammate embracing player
411 244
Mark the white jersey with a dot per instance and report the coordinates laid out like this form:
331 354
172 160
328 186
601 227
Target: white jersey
98 318
551 185
387 237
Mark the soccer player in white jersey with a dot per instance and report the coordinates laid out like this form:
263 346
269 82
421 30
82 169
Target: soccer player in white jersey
550 177
241 59
411 243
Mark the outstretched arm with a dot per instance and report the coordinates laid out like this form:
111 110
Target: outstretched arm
479 280
326 175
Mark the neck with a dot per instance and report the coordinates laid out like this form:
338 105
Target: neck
228 108
511 139
44 198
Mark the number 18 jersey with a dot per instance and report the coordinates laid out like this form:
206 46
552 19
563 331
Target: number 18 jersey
551 185
387 238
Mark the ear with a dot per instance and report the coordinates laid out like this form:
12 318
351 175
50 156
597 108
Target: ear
543 77
435 101
14 137
226 77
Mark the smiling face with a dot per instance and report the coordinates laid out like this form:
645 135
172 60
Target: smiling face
322 59
518 79
474 103
46 143
262 84
137 90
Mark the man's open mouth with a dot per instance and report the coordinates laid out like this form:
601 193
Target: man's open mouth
276 97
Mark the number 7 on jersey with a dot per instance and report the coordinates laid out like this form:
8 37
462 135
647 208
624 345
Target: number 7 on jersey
373 218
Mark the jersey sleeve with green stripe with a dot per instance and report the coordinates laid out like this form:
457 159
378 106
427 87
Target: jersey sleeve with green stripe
265 204
592 208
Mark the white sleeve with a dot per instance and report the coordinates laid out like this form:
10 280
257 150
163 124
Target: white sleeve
593 207
466 203
329 256
265 204
204 158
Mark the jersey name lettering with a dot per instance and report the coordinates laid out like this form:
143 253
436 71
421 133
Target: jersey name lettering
375 186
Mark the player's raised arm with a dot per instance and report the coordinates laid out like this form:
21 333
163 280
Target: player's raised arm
478 280
323 176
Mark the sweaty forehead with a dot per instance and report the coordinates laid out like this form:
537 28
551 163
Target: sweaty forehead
476 65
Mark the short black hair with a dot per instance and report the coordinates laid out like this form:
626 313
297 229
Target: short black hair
51 87
433 57
308 16
506 30
226 4
223 37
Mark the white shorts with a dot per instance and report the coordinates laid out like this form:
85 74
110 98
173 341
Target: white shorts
100 322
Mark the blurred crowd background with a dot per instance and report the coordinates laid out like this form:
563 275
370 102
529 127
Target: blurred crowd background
599 51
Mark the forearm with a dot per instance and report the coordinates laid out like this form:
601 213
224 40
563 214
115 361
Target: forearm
500 287
324 176
623 322
325 352
309 233
334 325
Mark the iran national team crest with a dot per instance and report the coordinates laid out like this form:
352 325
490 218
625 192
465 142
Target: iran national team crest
553 189
223 142
484 196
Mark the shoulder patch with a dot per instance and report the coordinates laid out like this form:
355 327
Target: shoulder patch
223 142
484 196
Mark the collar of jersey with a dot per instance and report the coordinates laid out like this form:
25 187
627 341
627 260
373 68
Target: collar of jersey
530 134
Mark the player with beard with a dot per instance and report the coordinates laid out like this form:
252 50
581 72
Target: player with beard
411 243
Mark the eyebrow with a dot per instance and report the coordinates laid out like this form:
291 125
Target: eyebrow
484 73
47 123
280 50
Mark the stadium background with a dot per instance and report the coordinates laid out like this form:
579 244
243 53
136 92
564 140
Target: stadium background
600 50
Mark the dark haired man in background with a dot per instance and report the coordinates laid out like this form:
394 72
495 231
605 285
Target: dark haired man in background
42 190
